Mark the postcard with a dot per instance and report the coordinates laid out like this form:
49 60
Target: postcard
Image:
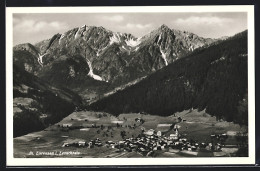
98 86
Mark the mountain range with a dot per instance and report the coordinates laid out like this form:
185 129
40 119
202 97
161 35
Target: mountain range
89 54
90 63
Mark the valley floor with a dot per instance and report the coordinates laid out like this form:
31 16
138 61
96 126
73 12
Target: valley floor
91 134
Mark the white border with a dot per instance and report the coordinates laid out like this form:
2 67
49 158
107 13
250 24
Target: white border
11 161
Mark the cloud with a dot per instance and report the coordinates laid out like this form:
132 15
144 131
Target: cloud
116 18
137 26
205 20
32 26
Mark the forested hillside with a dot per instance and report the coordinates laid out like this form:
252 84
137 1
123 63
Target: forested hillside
38 104
214 78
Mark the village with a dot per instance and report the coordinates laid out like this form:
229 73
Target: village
152 141
149 142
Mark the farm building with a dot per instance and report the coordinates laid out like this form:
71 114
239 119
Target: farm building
67 125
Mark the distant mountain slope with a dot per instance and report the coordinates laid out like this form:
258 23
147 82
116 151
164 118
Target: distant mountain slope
38 104
214 78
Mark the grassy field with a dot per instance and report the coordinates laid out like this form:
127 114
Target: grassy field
198 126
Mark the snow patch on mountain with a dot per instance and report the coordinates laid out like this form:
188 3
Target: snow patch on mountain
163 54
91 74
61 37
114 39
101 50
127 49
191 48
40 58
81 31
131 42
159 39
98 53
77 33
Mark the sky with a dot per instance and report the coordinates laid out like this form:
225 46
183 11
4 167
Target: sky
34 27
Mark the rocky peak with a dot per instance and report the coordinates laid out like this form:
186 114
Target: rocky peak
164 28
112 55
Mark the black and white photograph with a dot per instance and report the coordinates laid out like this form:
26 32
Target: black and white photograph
170 85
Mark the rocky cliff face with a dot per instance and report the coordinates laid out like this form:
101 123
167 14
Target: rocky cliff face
94 54
164 46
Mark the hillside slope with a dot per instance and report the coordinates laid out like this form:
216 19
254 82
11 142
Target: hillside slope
214 78
38 104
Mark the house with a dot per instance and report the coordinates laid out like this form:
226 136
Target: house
176 126
42 115
169 142
99 144
150 132
66 145
175 135
209 147
140 120
212 135
193 148
132 146
183 139
176 143
218 147
84 129
224 135
110 142
67 125
81 143
121 142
